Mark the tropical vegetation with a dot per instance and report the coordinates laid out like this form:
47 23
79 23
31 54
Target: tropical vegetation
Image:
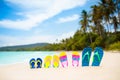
98 27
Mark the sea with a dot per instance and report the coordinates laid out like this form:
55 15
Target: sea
13 57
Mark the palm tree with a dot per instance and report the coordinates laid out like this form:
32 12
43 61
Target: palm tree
108 10
84 21
114 8
111 6
115 23
117 3
105 12
97 18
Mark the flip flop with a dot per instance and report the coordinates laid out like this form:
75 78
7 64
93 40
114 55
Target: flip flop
39 62
47 61
32 63
75 59
86 54
97 57
55 61
63 59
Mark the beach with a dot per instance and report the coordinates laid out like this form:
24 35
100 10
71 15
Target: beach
108 70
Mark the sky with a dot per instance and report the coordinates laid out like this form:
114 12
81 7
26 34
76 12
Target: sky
37 21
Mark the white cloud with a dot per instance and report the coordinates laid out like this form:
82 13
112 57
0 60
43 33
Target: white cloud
18 24
67 19
36 11
15 40
26 24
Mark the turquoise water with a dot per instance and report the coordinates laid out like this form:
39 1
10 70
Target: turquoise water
19 57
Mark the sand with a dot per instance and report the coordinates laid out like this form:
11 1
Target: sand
109 70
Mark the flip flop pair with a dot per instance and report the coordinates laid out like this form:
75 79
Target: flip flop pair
75 59
96 59
35 63
48 61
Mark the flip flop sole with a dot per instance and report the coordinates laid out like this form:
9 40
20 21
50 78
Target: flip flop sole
97 57
39 62
32 63
63 59
75 59
86 54
55 61
47 61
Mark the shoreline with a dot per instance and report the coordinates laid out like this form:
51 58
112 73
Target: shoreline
69 53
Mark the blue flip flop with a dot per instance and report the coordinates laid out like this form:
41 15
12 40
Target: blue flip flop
39 62
97 57
32 63
86 54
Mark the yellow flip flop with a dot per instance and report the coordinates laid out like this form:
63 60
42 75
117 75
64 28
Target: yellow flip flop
55 61
47 61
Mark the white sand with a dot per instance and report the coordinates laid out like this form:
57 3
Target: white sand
109 70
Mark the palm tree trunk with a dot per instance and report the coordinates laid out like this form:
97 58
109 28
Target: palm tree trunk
90 36
90 39
108 29
98 26
118 8
119 17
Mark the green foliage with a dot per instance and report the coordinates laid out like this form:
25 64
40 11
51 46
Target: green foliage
98 42
115 46
110 40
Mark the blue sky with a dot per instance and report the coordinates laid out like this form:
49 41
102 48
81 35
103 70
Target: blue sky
35 21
